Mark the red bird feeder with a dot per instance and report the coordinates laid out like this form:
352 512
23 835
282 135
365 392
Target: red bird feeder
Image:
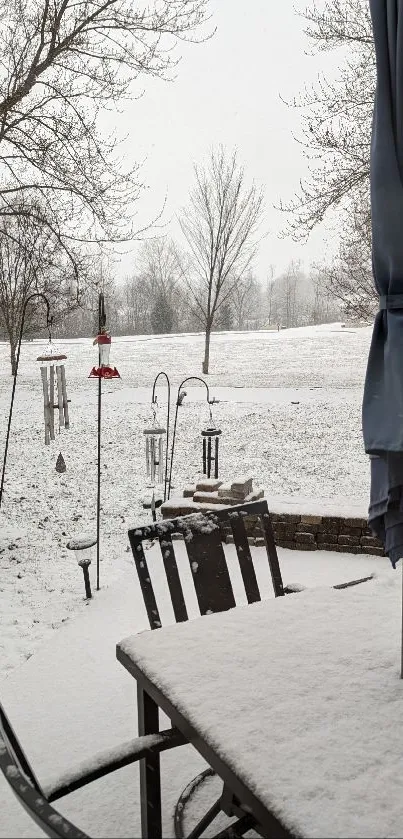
104 371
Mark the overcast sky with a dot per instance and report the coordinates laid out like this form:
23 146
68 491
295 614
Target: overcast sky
228 91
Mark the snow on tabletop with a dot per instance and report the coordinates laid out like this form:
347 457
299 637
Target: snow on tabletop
308 712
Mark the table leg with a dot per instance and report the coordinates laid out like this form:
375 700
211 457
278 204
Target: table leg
150 776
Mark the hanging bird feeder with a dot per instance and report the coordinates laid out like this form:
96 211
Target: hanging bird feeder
53 377
210 437
104 371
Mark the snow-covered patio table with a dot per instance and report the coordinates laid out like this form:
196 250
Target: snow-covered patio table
295 702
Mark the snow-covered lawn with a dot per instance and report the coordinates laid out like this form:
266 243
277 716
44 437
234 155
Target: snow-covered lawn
72 698
296 429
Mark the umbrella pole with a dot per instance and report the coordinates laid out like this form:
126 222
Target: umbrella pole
401 652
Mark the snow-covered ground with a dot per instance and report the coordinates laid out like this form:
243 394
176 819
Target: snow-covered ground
290 414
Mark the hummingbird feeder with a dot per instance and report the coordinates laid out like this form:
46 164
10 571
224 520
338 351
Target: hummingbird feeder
53 377
104 370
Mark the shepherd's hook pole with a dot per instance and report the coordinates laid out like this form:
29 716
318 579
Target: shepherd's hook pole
153 402
101 324
179 400
17 361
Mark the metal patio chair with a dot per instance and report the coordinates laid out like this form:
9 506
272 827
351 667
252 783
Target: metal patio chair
203 536
37 800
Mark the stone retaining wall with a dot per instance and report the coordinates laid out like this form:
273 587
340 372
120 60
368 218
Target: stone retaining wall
298 532
326 533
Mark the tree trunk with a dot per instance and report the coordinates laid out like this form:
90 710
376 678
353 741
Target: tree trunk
206 360
13 357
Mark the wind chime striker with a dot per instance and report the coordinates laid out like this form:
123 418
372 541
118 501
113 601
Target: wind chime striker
210 437
155 436
104 371
53 377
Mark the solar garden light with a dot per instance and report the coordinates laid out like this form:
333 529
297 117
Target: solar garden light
84 553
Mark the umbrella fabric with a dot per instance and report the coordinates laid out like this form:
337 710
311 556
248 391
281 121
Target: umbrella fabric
383 393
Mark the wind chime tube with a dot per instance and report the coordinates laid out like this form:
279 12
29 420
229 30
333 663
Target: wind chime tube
208 457
216 458
44 377
148 456
204 457
160 464
60 396
152 460
52 401
64 397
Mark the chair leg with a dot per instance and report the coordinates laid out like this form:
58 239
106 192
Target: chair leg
150 775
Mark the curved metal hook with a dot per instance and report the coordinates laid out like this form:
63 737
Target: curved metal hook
179 400
154 402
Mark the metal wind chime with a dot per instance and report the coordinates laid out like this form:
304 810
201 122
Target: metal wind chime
53 377
155 435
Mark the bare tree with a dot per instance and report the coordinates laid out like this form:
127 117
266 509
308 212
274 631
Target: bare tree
220 226
337 117
31 261
63 62
245 302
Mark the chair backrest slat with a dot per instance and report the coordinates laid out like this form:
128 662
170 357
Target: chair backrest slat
272 554
244 557
203 539
208 565
136 538
173 579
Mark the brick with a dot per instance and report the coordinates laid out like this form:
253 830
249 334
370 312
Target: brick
229 540
311 519
251 540
208 498
243 484
255 495
224 489
370 542
305 538
259 541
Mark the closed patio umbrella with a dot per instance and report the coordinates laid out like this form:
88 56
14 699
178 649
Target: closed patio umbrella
383 393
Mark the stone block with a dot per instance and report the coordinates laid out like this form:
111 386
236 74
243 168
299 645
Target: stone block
346 540
224 489
208 485
259 541
327 539
286 518
251 540
229 540
375 551
189 492
284 543
255 495
307 528
305 546
350 531
242 486
356 523
334 529
327 546
370 542
331 521
312 520
305 538
282 529
207 498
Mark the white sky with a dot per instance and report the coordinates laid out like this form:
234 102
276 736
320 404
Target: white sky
228 91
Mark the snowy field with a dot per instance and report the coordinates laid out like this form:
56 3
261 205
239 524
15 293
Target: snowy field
290 414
